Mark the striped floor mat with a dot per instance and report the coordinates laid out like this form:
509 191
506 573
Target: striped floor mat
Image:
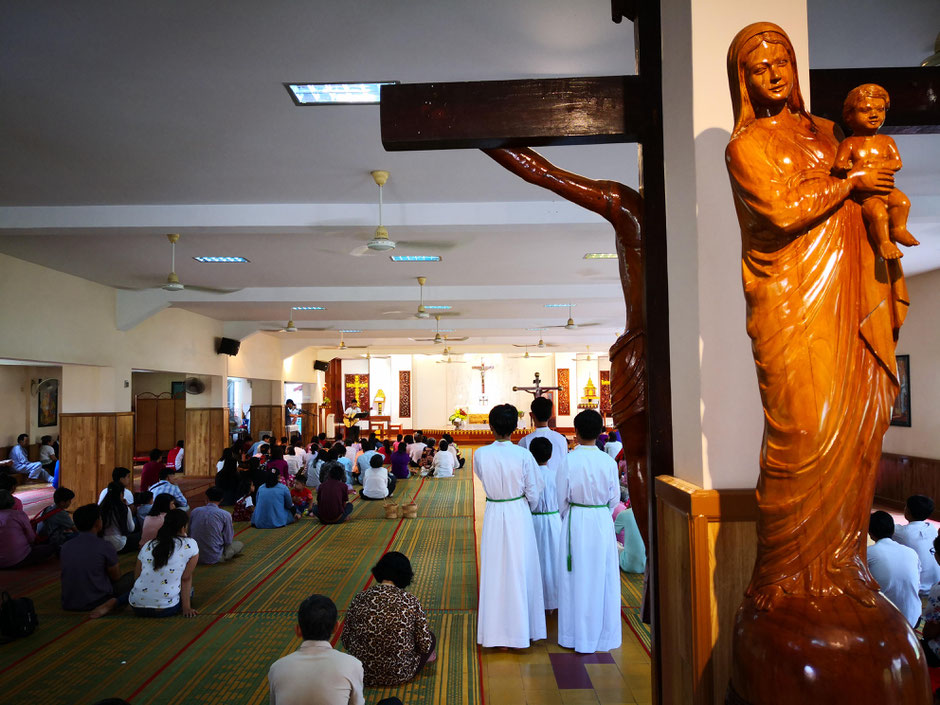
631 598
246 613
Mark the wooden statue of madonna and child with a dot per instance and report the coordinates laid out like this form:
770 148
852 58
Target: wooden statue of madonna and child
825 301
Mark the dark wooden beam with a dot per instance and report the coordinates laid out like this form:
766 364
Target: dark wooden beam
914 91
523 113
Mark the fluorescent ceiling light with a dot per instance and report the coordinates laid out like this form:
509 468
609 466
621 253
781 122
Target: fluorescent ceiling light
221 259
438 308
559 305
336 93
415 258
308 308
350 330
600 255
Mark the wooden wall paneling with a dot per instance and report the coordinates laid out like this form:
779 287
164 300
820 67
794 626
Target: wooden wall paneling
124 440
260 421
218 437
707 547
166 424
196 458
145 425
309 424
105 437
900 476
79 469
179 421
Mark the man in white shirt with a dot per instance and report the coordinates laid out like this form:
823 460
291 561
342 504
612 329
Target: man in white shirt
33 471
896 568
122 475
377 482
316 674
416 449
613 446
47 456
920 535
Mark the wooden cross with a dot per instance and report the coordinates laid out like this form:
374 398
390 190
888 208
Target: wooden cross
483 367
357 386
599 110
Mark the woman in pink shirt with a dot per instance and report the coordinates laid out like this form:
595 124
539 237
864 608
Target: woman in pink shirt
17 537
162 503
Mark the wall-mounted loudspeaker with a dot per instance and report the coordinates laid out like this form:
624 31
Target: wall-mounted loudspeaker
321 365
227 346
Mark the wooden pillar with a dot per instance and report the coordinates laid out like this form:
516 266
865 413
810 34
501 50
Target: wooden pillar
310 421
266 417
206 437
91 446
707 547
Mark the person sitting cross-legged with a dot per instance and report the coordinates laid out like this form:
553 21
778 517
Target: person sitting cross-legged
162 503
168 485
55 522
426 461
931 628
119 527
122 475
163 584
386 627
274 507
896 568
18 547
211 527
333 506
150 473
91 578
444 462
316 674
376 482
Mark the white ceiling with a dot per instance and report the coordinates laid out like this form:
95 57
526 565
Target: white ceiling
124 121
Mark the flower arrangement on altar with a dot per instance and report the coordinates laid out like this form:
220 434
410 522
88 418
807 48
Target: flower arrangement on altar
459 417
325 404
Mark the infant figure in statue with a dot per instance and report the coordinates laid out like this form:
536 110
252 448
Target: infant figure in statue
885 214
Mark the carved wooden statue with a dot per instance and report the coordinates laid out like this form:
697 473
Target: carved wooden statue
622 207
823 312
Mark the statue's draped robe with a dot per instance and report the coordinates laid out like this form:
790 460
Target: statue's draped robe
823 313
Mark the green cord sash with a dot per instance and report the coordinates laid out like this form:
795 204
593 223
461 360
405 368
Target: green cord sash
586 506
511 499
542 514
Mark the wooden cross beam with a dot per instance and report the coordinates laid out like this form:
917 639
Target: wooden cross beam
606 109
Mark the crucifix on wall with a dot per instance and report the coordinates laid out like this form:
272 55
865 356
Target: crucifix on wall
355 384
483 367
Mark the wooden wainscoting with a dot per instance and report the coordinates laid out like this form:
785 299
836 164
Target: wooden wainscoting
91 446
266 417
707 548
900 476
310 423
206 437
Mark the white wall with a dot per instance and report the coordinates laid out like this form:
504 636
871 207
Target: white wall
920 338
14 391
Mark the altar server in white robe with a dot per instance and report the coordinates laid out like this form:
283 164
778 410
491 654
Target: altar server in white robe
589 583
546 521
511 609
542 410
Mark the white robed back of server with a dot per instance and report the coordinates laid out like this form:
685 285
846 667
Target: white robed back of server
545 517
511 608
588 593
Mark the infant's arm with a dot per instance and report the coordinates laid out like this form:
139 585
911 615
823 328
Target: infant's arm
844 155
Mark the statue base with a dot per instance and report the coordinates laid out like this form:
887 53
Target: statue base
826 650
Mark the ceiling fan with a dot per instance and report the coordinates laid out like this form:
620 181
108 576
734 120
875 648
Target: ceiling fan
380 241
342 344
173 282
439 339
369 356
422 311
290 327
540 345
527 356
571 325
586 356
448 360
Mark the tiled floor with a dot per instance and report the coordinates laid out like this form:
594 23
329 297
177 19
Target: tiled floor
546 674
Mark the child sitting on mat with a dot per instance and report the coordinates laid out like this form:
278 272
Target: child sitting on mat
301 496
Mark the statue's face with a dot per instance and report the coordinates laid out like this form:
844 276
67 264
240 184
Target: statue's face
769 74
867 115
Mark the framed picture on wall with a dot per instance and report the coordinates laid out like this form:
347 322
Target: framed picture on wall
901 411
48 402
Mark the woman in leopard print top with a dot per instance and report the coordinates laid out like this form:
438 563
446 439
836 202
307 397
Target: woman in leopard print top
386 628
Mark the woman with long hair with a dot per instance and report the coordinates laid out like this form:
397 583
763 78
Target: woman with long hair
280 465
227 481
162 503
118 525
163 578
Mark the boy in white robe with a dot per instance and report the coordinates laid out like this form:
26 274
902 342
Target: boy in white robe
547 522
542 410
589 581
511 608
